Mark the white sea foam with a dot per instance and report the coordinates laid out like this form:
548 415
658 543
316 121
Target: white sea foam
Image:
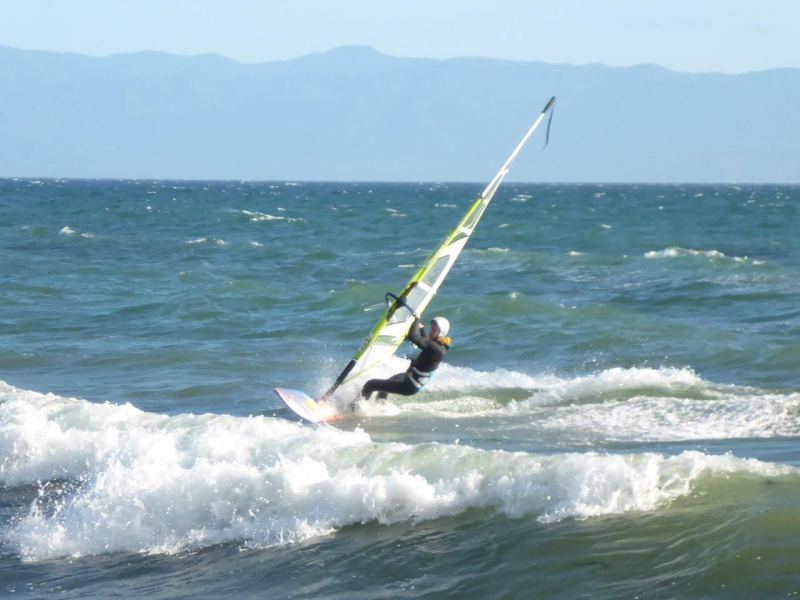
67 230
635 404
142 482
617 380
256 217
559 389
713 255
476 390
655 418
203 240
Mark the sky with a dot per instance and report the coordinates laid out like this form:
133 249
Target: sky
728 36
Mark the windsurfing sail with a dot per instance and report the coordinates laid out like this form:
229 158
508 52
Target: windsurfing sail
391 330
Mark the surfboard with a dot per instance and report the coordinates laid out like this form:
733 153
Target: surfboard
306 407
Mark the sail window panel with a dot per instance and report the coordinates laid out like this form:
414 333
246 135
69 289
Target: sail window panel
400 315
416 297
432 276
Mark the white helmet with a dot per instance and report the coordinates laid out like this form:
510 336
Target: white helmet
443 324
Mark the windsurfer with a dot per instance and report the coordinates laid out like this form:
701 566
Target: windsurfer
433 347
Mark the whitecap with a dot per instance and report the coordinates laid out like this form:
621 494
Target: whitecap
204 240
740 413
67 230
714 255
257 217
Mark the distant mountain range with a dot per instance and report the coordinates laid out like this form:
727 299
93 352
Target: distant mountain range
355 114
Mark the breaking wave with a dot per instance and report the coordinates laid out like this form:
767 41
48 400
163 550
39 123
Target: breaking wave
115 478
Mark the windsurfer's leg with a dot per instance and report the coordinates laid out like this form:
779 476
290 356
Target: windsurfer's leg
398 384
399 378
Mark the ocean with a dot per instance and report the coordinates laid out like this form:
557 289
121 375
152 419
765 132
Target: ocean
618 417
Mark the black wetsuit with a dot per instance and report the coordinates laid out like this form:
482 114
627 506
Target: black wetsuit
418 373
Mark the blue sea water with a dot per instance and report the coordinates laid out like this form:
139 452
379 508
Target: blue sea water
619 415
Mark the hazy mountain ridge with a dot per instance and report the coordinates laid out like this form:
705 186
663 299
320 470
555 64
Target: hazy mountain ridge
355 114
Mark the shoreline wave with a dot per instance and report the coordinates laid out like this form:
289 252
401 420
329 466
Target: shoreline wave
147 483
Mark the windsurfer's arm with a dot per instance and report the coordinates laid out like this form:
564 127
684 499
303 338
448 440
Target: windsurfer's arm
416 335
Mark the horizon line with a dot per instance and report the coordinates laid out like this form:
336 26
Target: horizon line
32 179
